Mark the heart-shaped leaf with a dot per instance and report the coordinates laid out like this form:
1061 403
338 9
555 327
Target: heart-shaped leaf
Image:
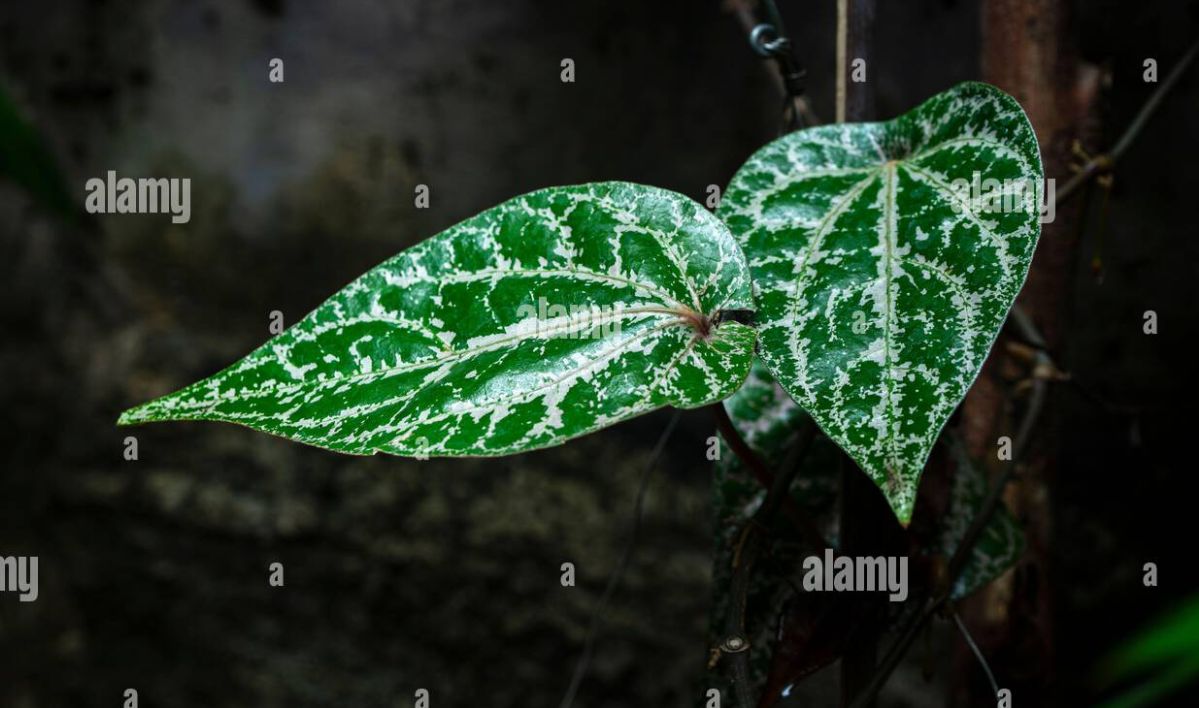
885 260
549 316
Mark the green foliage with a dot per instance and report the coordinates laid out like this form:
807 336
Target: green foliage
547 317
25 160
880 286
807 636
1162 658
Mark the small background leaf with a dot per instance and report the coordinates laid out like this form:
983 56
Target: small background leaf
25 159
1002 541
1162 658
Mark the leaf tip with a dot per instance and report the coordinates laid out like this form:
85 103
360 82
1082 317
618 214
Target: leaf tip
901 497
128 417
136 415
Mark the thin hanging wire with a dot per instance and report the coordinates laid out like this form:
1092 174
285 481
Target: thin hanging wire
957 619
614 579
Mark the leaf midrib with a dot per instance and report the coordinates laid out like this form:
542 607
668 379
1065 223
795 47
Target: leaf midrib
889 235
273 387
524 396
581 273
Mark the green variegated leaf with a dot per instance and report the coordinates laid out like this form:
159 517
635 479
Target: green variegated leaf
766 417
1002 540
549 316
881 281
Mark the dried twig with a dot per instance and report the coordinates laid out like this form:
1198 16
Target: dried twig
1104 162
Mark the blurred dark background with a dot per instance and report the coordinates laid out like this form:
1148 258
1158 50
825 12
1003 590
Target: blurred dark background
444 575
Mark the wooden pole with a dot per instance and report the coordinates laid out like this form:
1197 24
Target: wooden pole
1027 51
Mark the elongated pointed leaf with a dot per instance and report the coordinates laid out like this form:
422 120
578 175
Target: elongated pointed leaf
881 281
549 316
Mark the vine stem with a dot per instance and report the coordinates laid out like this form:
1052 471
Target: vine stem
736 643
748 456
761 472
1105 162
